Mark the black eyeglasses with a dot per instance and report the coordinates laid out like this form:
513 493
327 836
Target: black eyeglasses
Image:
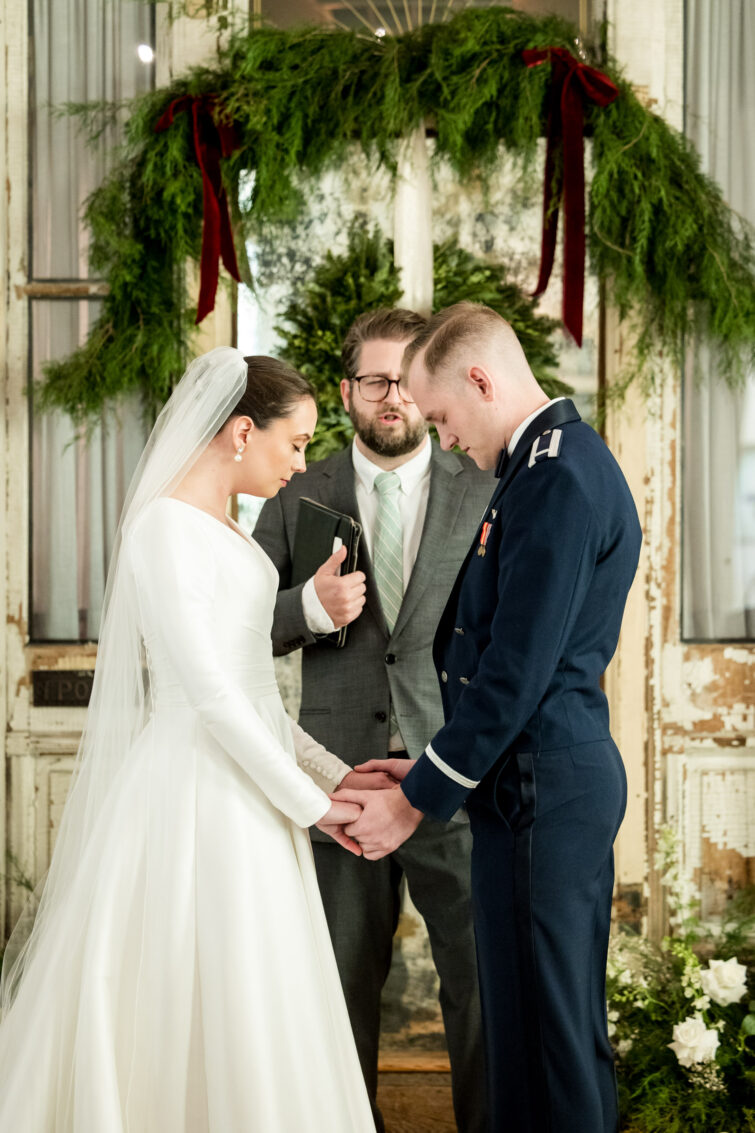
375 388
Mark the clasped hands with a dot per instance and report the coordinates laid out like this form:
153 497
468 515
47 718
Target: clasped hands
370 815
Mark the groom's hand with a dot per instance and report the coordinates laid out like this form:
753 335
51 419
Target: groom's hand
342 595
387 820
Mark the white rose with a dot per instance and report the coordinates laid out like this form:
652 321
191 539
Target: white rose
693 1042
724 981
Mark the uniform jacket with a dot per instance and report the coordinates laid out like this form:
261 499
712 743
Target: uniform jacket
534 616
346 692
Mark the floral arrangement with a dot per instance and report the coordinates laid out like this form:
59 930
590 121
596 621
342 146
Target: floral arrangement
681 1017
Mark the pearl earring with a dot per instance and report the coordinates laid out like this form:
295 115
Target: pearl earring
239 454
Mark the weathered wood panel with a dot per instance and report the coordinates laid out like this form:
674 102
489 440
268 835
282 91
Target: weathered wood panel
681 705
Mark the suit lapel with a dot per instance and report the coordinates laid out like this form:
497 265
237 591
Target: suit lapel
444 502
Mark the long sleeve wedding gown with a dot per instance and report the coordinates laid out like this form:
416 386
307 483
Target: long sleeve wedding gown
190 984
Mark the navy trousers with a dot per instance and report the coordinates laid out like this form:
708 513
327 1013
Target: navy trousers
542 881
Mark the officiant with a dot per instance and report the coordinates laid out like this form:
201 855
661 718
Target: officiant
378 696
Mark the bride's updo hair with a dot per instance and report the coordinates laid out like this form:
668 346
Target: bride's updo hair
273 390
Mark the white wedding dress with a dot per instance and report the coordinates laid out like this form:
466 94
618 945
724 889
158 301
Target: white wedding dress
189 985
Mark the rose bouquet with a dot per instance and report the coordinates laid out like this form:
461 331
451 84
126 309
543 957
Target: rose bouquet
682 1019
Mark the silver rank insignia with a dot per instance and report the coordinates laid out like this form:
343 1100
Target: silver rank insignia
550 448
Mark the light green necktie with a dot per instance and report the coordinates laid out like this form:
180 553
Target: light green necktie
388 546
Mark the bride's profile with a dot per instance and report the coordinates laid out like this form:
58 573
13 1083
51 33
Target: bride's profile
179 976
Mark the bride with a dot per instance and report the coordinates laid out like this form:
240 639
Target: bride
179 976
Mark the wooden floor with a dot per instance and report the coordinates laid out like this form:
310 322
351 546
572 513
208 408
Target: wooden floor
414 1092
416 1101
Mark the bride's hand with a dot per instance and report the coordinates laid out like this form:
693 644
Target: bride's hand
397 769
333 821
375 779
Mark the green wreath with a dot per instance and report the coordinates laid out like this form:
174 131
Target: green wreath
661 240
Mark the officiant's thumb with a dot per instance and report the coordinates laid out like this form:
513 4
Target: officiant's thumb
333 564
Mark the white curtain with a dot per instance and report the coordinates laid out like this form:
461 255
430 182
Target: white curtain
719 425
82 50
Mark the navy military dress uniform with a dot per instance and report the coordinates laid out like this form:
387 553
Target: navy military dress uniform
528 630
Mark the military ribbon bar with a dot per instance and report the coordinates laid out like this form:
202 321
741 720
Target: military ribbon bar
484 538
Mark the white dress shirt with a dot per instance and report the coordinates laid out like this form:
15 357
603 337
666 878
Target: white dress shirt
415 489
521 427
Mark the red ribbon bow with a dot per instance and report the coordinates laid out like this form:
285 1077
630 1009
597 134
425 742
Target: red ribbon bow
212 140
572 82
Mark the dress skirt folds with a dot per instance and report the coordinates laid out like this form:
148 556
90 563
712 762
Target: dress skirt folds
189 985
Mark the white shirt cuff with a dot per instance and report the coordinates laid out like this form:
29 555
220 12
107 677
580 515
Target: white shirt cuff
315 615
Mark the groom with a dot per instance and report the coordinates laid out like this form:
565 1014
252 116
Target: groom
530 626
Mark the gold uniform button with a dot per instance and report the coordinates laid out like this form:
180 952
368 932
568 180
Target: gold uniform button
444 676
464 680
459 630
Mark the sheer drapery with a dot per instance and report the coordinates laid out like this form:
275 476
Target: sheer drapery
82 50
719 424
78 488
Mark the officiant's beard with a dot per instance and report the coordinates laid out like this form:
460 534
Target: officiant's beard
386 441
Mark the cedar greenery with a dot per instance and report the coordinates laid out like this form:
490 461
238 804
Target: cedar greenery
661 238
316 319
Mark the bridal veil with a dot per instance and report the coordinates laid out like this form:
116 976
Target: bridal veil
120 702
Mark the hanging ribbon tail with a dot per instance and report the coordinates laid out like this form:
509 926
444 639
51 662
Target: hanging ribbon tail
211 141
571 83
229 141
551 194
574 207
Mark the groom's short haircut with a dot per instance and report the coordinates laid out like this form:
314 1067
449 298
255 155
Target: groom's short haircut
392 323
461 324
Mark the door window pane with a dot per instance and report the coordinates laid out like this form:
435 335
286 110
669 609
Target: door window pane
82 51
718 488
77 489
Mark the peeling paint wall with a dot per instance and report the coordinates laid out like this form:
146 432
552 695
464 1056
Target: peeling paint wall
692 760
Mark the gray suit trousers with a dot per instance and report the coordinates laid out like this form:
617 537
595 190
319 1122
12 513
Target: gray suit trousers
362 904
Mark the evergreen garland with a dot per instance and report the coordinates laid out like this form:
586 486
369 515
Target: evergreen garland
364 277
660 235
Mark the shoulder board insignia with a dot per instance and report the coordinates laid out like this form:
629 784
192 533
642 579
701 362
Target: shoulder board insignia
544 447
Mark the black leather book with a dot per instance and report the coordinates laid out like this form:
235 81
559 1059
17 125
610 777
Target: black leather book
317 529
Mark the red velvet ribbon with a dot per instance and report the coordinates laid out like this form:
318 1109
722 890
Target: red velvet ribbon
212 140
571 83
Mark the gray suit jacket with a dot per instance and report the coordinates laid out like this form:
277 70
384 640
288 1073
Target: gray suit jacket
346 693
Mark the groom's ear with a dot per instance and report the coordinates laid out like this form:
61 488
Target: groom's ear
481 381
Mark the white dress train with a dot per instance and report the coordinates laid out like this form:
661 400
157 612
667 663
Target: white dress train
190 984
